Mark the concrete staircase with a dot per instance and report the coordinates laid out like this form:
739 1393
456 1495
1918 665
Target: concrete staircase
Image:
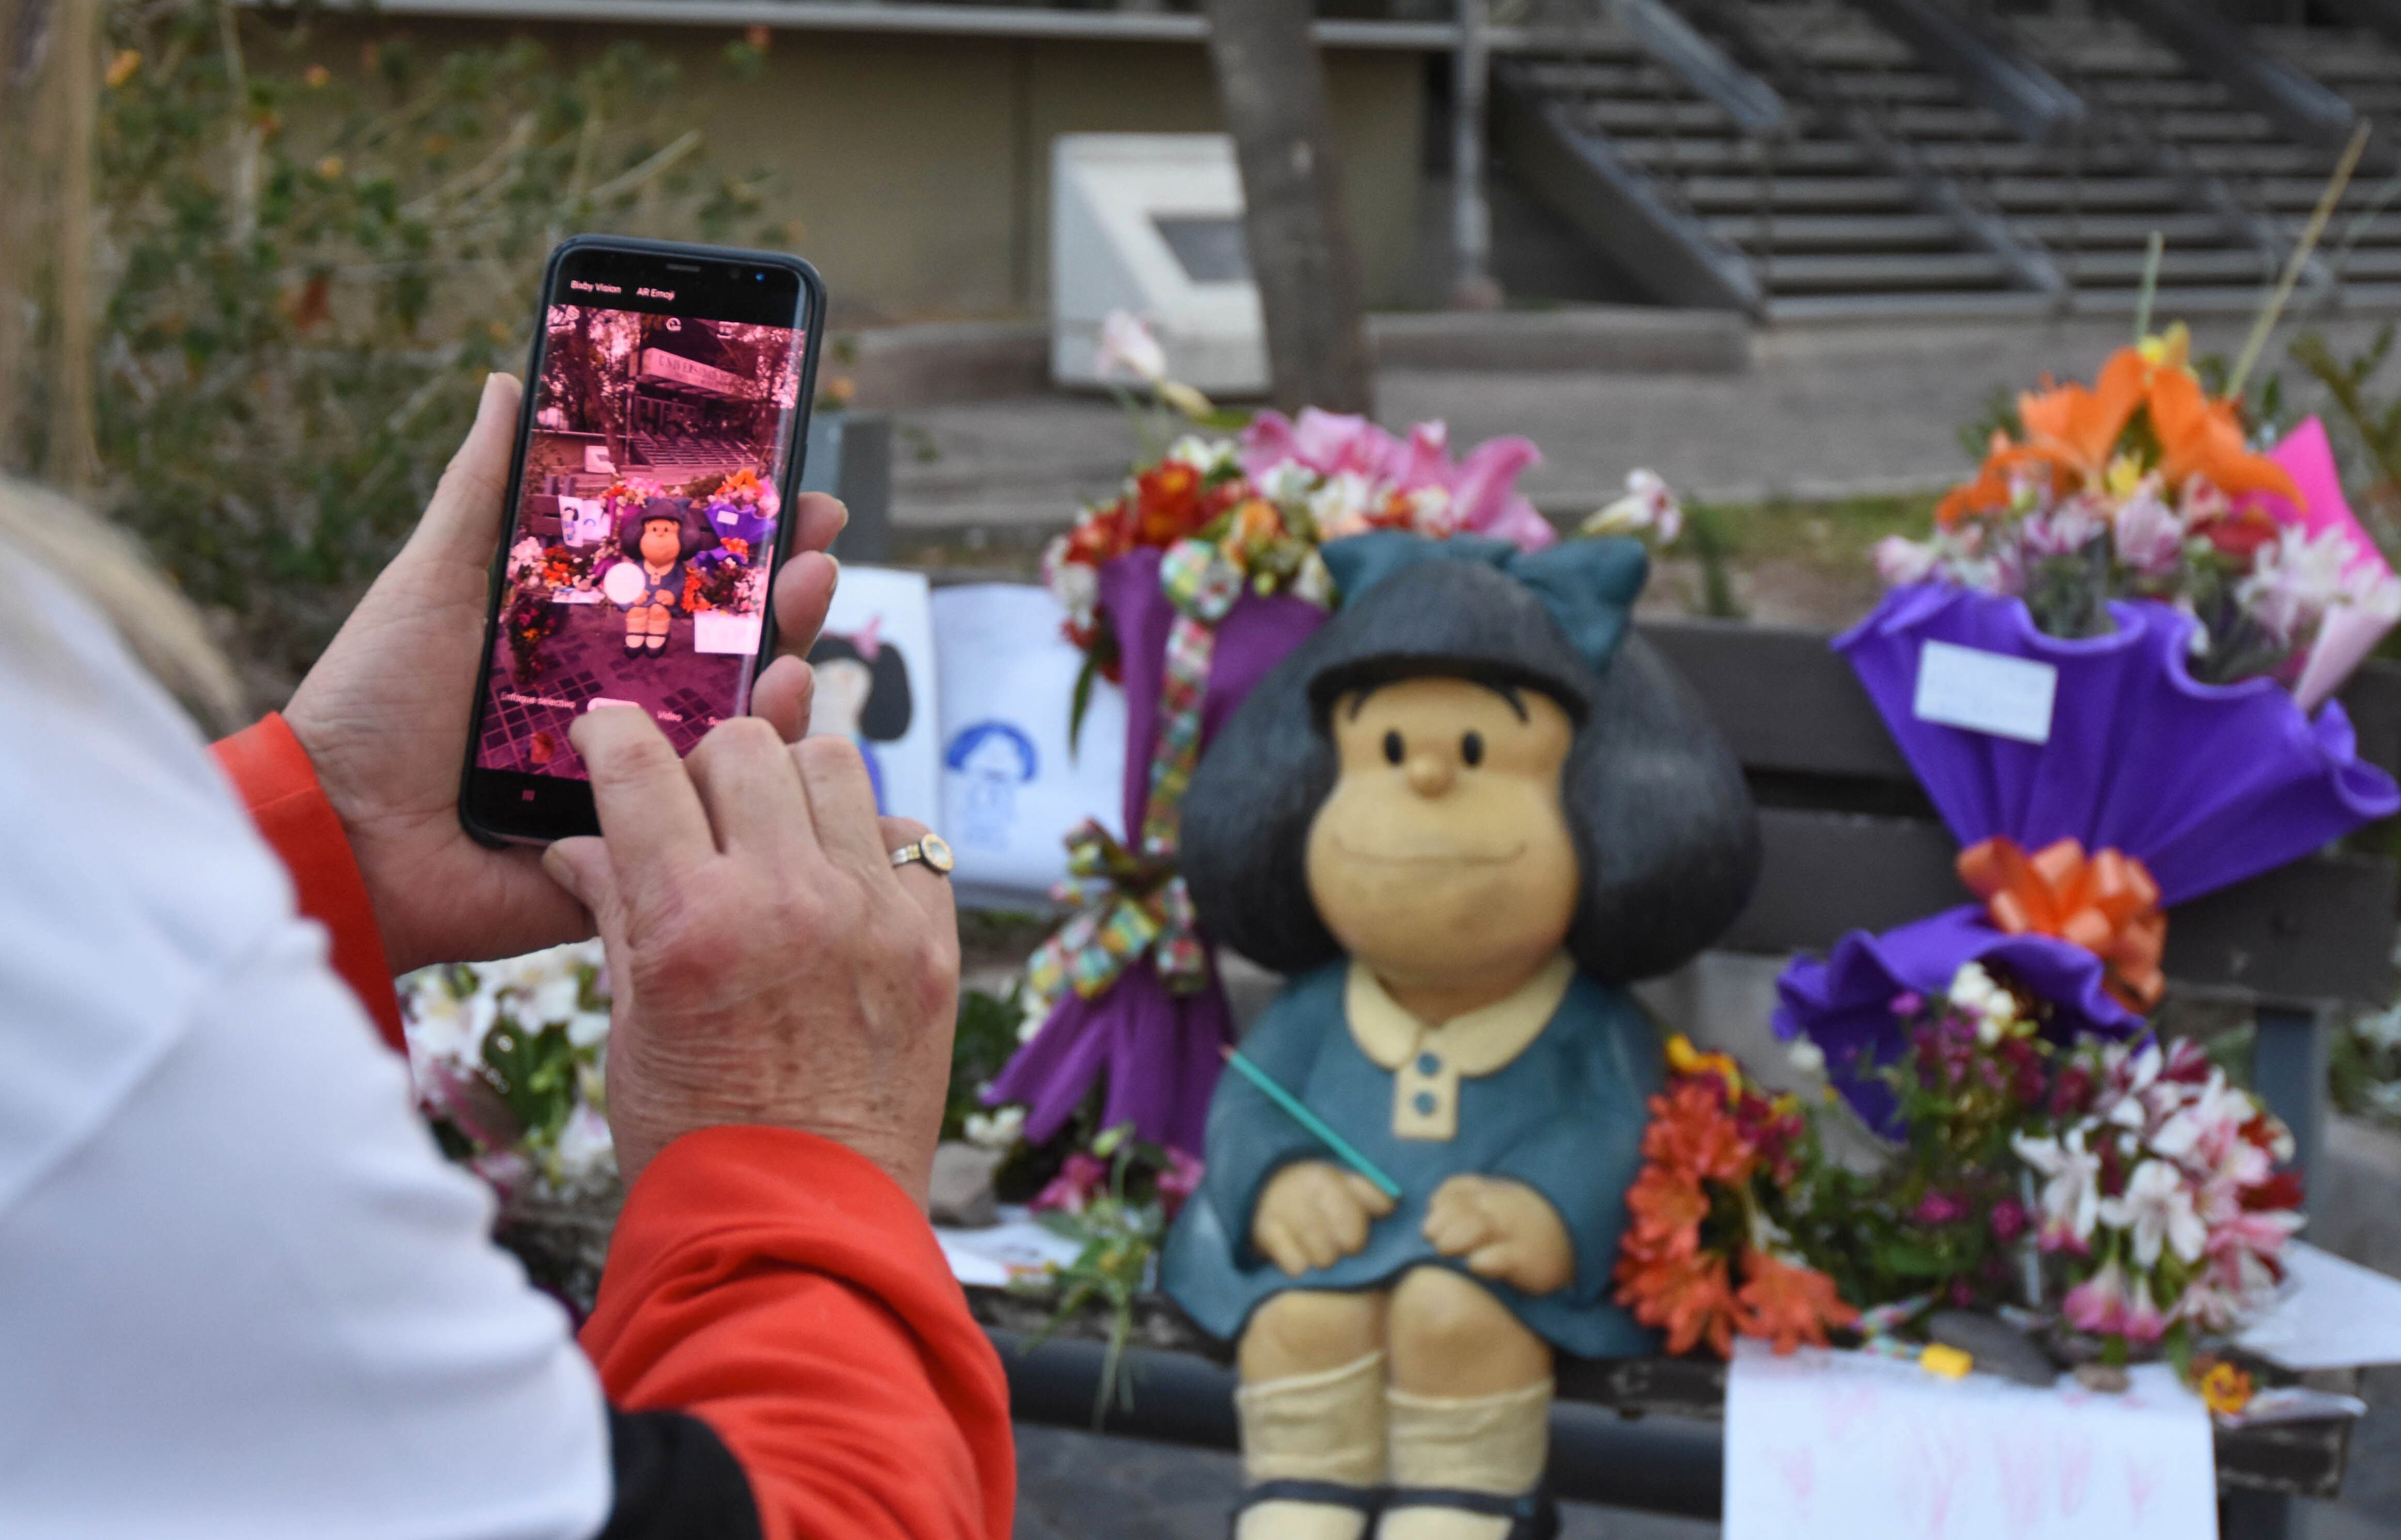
1830 157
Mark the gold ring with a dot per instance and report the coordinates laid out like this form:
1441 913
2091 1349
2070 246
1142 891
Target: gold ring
933 850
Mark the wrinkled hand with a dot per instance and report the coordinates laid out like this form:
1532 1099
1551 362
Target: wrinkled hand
1313 1213
770 966
1503 1229
384 713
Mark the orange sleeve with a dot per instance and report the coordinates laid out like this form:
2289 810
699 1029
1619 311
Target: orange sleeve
272 772
788 1293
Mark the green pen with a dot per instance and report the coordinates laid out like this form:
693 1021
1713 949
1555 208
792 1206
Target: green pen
1311 1122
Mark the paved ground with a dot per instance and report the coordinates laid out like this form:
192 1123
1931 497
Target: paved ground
1821 410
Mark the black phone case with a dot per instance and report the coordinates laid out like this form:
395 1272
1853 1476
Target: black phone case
812 322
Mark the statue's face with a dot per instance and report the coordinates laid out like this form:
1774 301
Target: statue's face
1442 855
662 542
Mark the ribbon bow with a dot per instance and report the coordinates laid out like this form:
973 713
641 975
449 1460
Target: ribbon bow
1588 585
1203 585
2106 903
1129 904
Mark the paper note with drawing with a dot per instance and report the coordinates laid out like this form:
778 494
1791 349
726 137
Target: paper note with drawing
1847 1446
1012 789
876 684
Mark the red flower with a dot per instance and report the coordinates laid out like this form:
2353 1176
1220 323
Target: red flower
1689 1296
1667 1208
1788 1305
1690 1133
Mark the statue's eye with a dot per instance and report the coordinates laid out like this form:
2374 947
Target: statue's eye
1393 749
1471 749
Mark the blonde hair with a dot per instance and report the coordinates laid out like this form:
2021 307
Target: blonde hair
159 626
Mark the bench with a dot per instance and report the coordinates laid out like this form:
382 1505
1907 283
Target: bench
1850 843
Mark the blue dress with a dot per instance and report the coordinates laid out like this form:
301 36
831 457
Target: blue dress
1565 1117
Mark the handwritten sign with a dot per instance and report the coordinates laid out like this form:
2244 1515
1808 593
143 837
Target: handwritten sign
1847 1446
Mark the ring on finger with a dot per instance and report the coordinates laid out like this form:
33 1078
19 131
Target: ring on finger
933 852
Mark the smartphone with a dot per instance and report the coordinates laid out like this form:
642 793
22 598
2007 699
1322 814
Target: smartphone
665 411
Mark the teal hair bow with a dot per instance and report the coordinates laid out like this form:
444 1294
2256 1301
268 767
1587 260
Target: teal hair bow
1588 585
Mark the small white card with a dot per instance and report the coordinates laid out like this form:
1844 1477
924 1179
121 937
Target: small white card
1018 1246
715 631
1985 691
2333 1313
1846 1446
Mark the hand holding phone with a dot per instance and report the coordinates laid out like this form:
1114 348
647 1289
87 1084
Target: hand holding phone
383 714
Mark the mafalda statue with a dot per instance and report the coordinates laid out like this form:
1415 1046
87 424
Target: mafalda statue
1461 817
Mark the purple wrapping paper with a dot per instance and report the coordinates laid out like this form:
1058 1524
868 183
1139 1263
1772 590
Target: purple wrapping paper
2206 784
1155 1052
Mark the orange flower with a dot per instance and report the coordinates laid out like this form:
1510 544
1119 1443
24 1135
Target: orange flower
2076 429
2225 1387
1667 1208
1691 1133
1989 493
2199 437
1788 1305
1687 1295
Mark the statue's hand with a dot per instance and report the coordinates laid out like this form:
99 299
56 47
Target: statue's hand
1313 1213
1503 1229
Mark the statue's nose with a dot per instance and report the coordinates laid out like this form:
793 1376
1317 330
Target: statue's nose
1431 774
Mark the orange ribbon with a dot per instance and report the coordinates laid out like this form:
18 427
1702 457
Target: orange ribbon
2106 903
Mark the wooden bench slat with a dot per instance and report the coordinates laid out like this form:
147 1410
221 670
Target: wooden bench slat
2319 929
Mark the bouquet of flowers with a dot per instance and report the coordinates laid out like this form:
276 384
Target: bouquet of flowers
2145 486
738 508
527 618
508 1060
625 495
2161 1205
1726 1171
723 579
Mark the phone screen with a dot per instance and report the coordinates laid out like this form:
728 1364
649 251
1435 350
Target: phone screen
664 414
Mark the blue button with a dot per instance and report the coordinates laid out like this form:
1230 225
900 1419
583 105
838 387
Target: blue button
1429 1064
1424 1103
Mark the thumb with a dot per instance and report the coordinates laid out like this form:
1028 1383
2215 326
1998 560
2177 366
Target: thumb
582 866
462 521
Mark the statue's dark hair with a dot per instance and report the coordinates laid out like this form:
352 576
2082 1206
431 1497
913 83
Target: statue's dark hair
1666 836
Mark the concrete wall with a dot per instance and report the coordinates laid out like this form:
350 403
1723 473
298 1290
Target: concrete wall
917 167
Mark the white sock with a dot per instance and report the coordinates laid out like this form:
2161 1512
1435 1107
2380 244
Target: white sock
1496 1444
1327 1426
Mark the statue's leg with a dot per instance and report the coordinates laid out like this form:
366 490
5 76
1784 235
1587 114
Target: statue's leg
1469 1412
1312 1412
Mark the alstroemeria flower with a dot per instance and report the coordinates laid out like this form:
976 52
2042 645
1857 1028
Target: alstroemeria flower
2098 1305
2156 1209
2071 1192
1127 347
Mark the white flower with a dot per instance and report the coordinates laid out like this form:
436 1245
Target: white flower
1207 455
443 1028
585 1148
1000 1129
588 1028
2295 580
2071 1190
1429 509
1285 481
1315 581
1127 347
2157 1209
1900 560
1076 585
1647 507
1340 506
1975 992
1806 1056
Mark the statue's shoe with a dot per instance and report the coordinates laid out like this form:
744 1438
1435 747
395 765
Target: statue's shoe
1435 1513
1305 1510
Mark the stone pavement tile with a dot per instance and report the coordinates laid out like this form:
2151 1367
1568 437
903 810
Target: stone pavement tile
1073 1486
